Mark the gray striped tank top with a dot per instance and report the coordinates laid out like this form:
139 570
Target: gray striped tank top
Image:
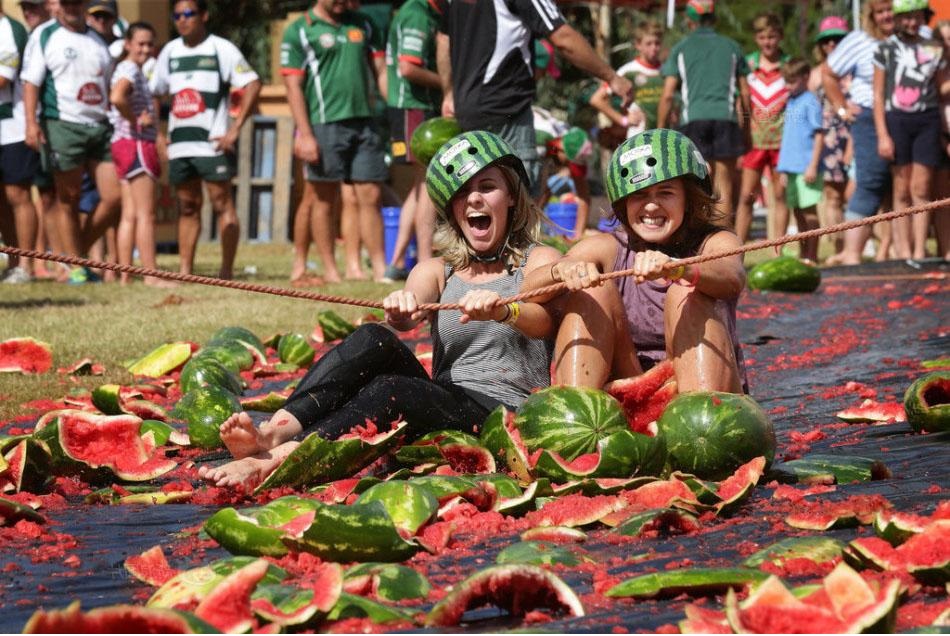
489 358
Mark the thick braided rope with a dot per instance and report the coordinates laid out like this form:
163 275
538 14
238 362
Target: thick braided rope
360 302
748 247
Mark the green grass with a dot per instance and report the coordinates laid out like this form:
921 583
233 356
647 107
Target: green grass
113 324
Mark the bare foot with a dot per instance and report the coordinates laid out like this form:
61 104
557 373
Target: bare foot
241 436
306 281
332 277
249 471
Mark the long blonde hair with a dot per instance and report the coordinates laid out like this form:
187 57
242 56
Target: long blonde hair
524 228
868 23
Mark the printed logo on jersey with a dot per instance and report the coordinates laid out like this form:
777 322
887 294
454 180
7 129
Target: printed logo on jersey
174 65
354 35
90 94
243 67
11 60
207 62
71 53
327 40
187 103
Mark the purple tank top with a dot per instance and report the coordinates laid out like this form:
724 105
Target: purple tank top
644 308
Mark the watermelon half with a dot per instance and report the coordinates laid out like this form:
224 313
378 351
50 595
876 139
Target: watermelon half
25 355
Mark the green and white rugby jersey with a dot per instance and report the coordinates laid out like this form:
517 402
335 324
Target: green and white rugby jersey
412 38
199 80
13 37
72 71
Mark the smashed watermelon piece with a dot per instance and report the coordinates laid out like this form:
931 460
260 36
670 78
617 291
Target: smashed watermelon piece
228 605
115 619
25 355
845 603
151 567
872 411
644 397
925 555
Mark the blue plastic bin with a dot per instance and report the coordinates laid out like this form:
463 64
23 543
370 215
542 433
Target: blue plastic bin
391 232
563 216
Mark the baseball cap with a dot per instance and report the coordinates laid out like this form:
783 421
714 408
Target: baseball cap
697 8
32 1
103 6
832 26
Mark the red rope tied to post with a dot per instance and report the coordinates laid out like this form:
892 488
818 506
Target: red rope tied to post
360 302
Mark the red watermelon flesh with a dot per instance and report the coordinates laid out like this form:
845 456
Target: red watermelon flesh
25 355
115 619
228 606
473 460
575 510
744 478
871 411
151 567
112 442
645 397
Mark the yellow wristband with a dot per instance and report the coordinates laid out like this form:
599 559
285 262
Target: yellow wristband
677 273
514 311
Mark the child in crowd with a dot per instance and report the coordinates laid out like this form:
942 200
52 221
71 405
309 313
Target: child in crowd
644 72
800 154
565 152
660 188
134 150
907 73
484 355
767 97
835 156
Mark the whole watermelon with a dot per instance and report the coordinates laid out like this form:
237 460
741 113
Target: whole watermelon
430 136
232 354
204 410
785 273
711 434
293 348
927 402
206 371
568 420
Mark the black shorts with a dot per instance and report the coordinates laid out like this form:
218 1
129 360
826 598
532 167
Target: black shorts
18 164
402 123
716 139
916 137
350 150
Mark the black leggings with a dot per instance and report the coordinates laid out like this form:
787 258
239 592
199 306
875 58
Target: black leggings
372 375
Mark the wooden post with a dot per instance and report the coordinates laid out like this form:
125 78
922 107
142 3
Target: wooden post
283 180
603 30
245 166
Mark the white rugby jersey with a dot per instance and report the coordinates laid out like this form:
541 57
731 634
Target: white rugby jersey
72 71
13 37
199 80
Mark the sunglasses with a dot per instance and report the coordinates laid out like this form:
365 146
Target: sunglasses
102 15
187 14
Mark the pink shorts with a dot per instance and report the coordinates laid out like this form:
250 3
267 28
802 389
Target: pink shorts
133 157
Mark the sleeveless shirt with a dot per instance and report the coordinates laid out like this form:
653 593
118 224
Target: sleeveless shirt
484 357
644 306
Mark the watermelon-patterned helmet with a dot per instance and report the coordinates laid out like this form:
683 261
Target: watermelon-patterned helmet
461 158
651 157
906 6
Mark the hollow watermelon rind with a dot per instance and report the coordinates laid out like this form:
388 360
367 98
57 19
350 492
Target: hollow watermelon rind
258 531
694 580
622 454
161 360
228 605
500 436
293 348
409 505
927 402
515 587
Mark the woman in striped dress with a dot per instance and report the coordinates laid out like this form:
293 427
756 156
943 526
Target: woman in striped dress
484 355
133 149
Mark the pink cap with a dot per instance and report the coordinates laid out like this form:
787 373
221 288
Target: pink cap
832 26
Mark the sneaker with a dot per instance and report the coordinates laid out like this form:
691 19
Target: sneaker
16 276
82 275
396 273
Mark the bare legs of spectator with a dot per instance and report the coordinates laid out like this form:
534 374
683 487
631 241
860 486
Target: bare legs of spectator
418 213
942 216
832 194
747 192
304 229
47 238
190 200
362 222
24 219
723 176
323 229
137 227
911 187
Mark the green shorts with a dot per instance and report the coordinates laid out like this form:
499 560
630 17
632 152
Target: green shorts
184 169
799 194
71 145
